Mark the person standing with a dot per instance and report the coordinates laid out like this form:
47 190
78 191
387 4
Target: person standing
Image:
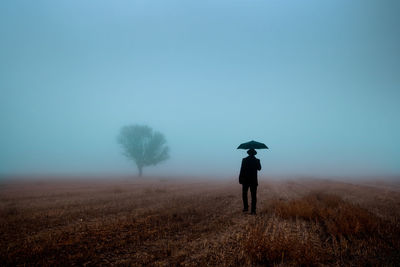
248 179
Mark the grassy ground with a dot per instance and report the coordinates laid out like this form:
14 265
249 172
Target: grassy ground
192 223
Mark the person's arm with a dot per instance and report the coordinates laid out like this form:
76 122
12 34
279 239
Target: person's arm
241 174
259 165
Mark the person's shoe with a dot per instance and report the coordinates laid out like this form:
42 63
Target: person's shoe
253 212
245 210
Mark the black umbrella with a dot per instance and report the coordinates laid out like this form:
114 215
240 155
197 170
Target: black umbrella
252 144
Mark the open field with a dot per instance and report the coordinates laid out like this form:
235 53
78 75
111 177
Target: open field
163 222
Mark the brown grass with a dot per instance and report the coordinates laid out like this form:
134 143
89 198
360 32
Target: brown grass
335 215
273 241
323 229
178 223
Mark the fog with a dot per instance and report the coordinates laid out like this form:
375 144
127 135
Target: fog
316 81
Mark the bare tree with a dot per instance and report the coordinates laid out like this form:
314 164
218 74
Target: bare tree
143 145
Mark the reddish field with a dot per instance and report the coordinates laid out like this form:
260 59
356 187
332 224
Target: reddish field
162 222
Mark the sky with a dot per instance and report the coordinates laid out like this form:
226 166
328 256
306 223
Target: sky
316 81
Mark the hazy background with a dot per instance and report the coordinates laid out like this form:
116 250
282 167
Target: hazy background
317 81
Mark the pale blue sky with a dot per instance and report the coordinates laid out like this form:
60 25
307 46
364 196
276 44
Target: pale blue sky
317 81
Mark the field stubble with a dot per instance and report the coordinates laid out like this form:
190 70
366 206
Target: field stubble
172 222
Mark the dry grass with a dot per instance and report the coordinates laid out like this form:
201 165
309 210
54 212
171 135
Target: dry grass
335 215
191 223
272 242
319 229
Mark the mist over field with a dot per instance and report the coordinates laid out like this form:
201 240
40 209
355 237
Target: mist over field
120 123
317 81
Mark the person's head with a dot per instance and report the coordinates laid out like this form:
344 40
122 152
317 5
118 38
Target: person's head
252 152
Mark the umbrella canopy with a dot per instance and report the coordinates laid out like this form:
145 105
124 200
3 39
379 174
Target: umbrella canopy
252 144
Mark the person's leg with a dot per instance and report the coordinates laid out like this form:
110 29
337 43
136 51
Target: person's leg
245 188
253 191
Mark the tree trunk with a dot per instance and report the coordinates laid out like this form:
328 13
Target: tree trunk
140 168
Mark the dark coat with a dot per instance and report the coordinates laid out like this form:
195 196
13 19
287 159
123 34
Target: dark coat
248 170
